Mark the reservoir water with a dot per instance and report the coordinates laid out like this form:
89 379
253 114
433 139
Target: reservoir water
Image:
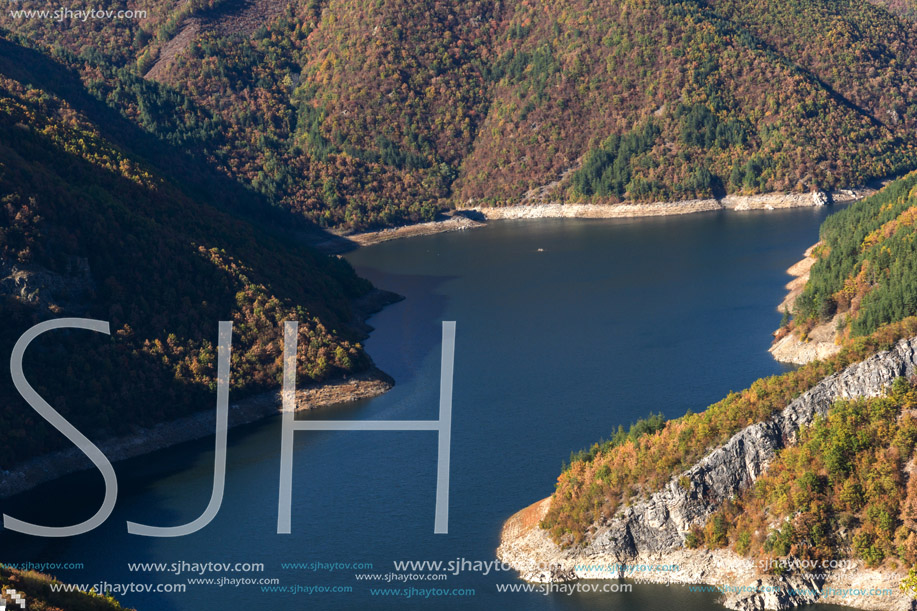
565 329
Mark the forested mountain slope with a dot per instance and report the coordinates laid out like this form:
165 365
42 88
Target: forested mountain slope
840 488
90 228
866 268
364 113
903 8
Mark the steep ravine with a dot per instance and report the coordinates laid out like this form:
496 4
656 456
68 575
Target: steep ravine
652 531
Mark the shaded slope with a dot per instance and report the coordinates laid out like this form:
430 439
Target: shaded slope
89 229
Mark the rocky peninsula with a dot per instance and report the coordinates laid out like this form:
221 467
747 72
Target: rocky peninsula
652 531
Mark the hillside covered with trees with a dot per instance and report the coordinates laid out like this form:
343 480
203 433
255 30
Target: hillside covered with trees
361 114
866 272
844 488
599 481
91 228
841 492
903 8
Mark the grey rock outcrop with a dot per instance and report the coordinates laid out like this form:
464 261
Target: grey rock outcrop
38 286
820 198
653 530
659 523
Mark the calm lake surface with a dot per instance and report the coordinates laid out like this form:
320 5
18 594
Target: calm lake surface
565 329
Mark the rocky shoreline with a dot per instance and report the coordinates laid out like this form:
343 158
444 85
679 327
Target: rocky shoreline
453 222
820 341
653 530
764 201
470 217
725 571
340 243
49 467
597 211
364 385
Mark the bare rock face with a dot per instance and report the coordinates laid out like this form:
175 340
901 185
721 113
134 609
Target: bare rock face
37 286
820 341
655 527
659 523
820 198
819 345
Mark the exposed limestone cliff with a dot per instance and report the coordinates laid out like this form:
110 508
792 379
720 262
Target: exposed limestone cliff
654 529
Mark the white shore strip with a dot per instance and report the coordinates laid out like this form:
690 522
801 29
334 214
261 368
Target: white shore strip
763 201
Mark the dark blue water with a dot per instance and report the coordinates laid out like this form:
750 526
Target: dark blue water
609 321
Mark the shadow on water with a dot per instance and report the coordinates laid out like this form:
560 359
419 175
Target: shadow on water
152 486
405 333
